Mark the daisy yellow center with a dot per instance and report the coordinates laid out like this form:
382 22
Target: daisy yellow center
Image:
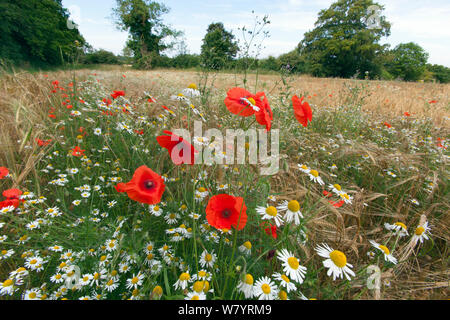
113 273
110 282
293 206
33 261
4 252
384 248
304 167
62 265
344 195
102 258
208 257
149 248
7 283
21 269
58 276
149 256
185 276
156 208
195 297
111 244
282 295
338 258
248 279
32 295
271 211
248 245
192 86
86 278
181 95
165 248
419 231
135 292
198 286
183 207
201 189
252 101
401 225
158 290
293 263
337 187
315 173
265 288
171 216
202 274
134 280
286 279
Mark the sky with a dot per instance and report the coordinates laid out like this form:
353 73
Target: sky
425 22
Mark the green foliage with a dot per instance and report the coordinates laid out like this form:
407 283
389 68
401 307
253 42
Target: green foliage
36 32
341 44
101 57
185 61
440 73
219 47
409 61
148 35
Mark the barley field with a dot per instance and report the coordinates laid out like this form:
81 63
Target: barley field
95 207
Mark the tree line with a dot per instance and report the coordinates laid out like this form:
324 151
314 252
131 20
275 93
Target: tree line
343 43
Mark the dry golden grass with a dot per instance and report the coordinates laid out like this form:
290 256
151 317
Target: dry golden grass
23 115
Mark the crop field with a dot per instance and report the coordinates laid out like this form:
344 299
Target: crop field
102 197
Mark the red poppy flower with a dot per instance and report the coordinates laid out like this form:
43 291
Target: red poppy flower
302 111
78 152
271 231
12 202
407 114
43 143
432 101
3 172
224 211
180 150
387 125
11 194
241 102
264 116
337 204
146 186
327 194
117 94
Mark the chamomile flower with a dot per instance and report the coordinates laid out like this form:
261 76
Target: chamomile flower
135 281
304 168
421 233
387 255
246 286
5 254
200 194
292 211
336 262
269 213
291 266
182 281
111 245
171 218
85 280
34 263
314 176
207 259
111 285
155 210
8 287
285 282
265 289
57 278
246 248
32 294
414 201
98 131
397 228
195 296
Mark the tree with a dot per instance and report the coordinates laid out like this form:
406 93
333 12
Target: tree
409 61
219 47
440 73
342 44
37 32
148 35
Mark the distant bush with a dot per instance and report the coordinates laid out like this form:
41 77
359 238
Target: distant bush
440 73
100 57
185 61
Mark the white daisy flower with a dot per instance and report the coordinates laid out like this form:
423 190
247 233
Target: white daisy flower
246 286
387 255
269 213
195 296
182 281
285 282
265 289
207 259
291 266
336 262
292 211
397 228
422 232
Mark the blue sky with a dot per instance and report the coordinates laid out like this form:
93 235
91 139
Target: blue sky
424 22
